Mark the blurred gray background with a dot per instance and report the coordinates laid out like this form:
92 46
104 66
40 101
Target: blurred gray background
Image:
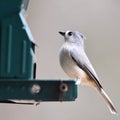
99 21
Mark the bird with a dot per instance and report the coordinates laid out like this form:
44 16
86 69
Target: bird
76 64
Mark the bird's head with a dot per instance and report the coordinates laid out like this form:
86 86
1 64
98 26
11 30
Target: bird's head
73 36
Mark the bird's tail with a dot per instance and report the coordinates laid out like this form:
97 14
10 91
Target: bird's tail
108 101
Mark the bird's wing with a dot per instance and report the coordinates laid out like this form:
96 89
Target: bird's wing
83 62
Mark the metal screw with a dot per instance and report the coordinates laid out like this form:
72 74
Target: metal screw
63 87
35 88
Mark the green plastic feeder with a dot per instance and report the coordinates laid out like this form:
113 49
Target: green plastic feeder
17 65
16 43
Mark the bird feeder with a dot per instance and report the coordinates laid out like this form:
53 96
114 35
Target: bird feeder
17 64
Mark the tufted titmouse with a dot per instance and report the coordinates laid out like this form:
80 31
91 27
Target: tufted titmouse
76 64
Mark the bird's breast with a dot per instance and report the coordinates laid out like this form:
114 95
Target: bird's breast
68 64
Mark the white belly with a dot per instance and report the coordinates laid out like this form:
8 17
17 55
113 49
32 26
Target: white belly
69 66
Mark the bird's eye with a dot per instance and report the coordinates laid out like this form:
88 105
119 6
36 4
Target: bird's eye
70 33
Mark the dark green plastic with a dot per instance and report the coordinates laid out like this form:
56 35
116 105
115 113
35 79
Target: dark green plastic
17 65
16 42
49 90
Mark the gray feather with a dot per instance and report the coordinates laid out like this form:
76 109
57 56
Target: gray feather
90 72
82 61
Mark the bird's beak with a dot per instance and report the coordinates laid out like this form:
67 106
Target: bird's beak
62 33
